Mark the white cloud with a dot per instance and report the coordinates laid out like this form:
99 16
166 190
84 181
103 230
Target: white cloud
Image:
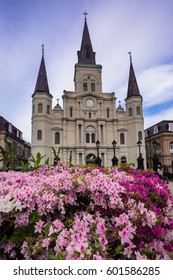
156 85
116 27
166 114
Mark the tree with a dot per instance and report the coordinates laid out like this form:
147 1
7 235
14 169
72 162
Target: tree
56 155
37 160
7 155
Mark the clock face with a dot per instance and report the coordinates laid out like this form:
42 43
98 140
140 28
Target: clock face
89 103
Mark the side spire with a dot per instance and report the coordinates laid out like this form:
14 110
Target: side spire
86 54
133 89
42 82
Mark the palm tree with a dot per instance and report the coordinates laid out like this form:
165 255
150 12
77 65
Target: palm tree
56 155
37 160
7 155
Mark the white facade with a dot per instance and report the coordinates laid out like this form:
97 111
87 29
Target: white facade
88 115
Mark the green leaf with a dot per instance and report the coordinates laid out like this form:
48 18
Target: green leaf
118 250
57 257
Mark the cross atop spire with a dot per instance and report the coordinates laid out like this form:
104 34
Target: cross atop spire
85 14
133 89
86 54
130 55
42 48
42 82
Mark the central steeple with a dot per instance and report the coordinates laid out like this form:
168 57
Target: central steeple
86 54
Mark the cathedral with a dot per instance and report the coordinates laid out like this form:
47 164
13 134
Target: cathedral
90 124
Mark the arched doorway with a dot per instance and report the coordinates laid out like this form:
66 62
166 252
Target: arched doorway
123 160
90 159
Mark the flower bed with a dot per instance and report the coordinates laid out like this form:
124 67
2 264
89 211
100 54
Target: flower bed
84 213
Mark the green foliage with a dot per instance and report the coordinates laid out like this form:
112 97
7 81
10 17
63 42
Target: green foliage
56 155
37 160
7 155
126 164
25 166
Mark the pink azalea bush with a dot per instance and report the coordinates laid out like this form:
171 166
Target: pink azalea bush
86 213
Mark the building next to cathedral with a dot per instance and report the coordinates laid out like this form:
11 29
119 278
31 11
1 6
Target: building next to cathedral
88 115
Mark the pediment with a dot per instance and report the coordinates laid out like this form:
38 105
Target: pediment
90 94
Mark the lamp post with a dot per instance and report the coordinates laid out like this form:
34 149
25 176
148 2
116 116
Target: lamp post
114 159
155 157
98 159
140 159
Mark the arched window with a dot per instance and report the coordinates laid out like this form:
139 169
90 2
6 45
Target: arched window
138 110
122 139
93 138
158 149
107 111
39 134
93 89
85 86
33 109
40 108
140 135
57 138
171 147
87 138
87 52
48 109
130 112
71 112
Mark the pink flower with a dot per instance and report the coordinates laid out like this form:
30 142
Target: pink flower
38 226
126 235
78 224
122 219
139 256
101 228
97 257
46 243
128 250
141 207
81 247
103 241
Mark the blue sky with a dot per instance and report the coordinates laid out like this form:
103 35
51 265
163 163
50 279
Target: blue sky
116 27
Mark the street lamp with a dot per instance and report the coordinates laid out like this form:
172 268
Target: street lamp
98 159
155 157
114 159
140 159
139 143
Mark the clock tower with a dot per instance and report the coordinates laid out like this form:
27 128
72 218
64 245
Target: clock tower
89 116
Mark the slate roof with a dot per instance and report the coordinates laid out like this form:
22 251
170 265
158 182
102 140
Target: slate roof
133 89
86 54
163 126
42 82
3 124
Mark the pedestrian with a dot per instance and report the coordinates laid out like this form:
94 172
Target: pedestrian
160 171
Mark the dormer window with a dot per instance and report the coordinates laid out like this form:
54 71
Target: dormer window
155 129
170 126
10 127
146 133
